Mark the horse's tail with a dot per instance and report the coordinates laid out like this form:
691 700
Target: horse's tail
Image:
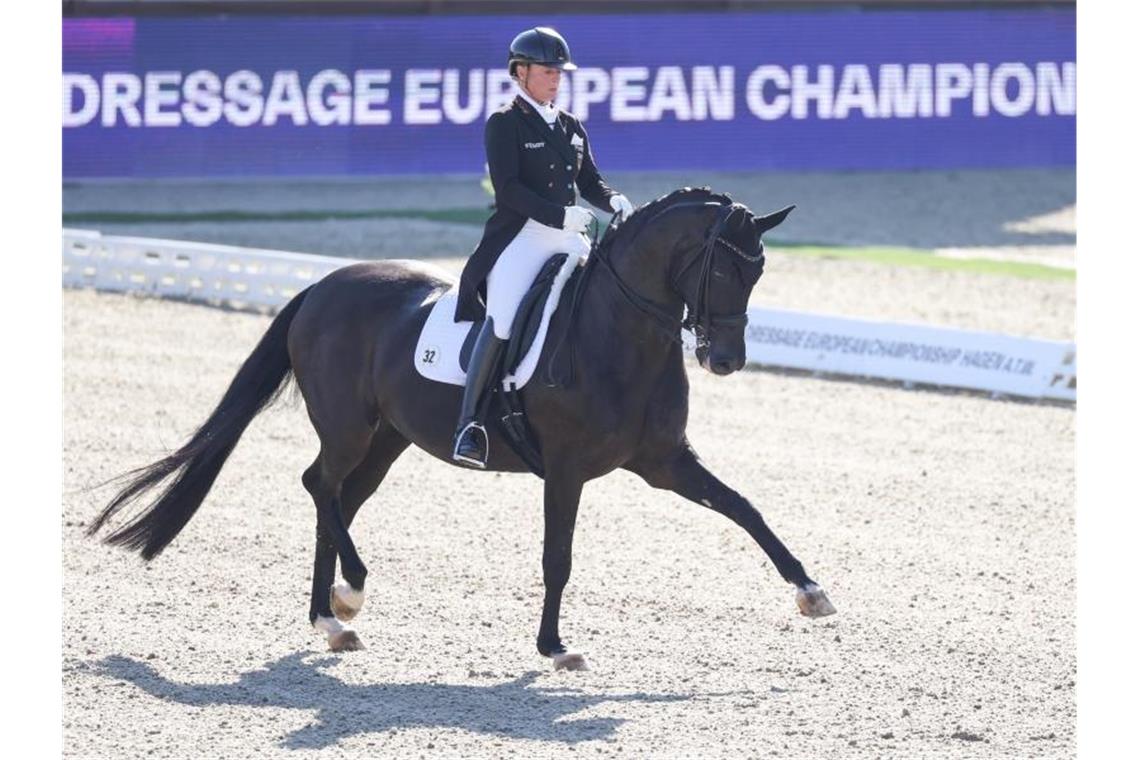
196 465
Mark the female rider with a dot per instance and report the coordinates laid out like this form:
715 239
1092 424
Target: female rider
536 154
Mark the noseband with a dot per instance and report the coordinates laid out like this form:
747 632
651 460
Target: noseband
699 318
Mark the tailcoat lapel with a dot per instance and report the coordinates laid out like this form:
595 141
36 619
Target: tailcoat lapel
556 136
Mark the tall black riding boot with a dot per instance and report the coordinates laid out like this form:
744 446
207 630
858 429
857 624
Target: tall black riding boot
471 437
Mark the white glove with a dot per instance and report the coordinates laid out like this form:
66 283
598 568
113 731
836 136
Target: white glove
620 203
576 219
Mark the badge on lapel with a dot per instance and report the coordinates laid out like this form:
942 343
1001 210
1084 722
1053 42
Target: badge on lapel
576 142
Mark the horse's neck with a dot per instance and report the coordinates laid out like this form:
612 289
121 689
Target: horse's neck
624 332
645 266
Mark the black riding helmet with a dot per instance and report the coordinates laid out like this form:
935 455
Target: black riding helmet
541 45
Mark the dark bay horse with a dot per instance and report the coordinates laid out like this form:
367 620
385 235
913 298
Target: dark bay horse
349 342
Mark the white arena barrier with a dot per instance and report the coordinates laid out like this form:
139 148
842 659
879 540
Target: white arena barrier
944 356
264 280
224 275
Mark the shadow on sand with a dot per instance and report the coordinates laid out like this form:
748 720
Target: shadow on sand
516 709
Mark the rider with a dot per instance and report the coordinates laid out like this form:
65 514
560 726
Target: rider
536 154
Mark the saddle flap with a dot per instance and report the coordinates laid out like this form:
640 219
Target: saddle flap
528 317
527 320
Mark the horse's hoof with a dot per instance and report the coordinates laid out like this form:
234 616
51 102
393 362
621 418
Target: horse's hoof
570 661
813 602
345 641
345 601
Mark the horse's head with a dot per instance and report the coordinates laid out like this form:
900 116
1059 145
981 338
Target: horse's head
718 264
695 250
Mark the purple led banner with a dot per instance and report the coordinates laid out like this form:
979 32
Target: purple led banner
847 89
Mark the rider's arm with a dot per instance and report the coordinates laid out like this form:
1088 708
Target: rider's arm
503 164
590 183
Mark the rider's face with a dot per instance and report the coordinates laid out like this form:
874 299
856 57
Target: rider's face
540 82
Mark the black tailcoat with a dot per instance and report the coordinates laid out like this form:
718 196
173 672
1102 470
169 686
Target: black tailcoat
534 170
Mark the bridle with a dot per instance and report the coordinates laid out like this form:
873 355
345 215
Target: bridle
699 317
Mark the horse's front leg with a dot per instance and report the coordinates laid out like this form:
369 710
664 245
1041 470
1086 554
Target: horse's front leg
561 496
682 472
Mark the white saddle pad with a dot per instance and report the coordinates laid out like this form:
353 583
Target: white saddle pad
437 352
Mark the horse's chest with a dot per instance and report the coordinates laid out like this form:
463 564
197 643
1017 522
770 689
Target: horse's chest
614 421
667 409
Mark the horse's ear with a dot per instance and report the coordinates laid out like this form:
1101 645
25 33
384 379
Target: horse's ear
767 222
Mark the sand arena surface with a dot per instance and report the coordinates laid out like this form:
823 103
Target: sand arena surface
940 524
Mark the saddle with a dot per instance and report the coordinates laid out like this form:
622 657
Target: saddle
527 319
443 351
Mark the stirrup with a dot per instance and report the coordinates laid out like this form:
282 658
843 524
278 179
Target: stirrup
471 461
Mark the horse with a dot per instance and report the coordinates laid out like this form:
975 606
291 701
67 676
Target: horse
687 259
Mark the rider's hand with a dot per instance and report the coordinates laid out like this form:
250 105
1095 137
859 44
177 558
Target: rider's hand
620 204
576 219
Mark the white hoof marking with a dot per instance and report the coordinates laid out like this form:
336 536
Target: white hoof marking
346 601
328 625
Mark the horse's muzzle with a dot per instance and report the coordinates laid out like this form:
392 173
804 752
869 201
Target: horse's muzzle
726 366
719 364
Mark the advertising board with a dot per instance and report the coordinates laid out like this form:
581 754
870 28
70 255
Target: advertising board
365 95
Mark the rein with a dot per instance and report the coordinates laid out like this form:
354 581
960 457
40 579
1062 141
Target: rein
698 319
666 321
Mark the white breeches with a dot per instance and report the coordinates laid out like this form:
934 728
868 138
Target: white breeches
519 264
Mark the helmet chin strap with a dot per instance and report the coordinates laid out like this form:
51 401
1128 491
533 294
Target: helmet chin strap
524 86
547 111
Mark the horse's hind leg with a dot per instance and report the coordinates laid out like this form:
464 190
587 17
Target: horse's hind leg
341 600
343 447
